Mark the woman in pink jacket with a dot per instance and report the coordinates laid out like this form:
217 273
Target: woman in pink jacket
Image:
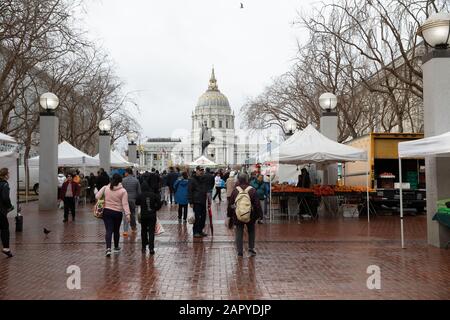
116 202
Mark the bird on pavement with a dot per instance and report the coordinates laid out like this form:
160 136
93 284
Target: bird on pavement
46 231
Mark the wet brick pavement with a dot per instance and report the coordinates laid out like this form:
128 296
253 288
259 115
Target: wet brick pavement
313 260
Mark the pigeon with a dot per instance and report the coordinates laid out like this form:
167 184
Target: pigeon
242 6
46 231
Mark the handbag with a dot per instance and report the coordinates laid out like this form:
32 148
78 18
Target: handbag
99 206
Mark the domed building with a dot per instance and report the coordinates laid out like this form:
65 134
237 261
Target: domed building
214 112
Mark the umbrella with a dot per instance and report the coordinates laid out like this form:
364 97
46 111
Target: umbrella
210 217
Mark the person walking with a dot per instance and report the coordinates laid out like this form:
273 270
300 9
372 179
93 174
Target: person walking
116 202
261 191
133 188
164 188
244 196
218 185
102 179
69 192
197 189
91 193
84 186
171 178
230 185
150 202
181 196
210 183
5 207
154 180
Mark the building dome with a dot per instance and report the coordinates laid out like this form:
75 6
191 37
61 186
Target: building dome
213 97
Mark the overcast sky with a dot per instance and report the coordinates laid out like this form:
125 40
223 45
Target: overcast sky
165 50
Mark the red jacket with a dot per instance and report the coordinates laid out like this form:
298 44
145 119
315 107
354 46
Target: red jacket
75 189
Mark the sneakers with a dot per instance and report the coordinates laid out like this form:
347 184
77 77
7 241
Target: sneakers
251 253
7 253
152 251
117 249
179 220
198 235
125 234
108 253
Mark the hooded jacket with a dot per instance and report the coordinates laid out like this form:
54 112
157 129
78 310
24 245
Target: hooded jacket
181 191
116 199
197 190
149 201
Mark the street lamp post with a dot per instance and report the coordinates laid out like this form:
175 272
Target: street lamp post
329 128
104 145
436 96
48 152
132 146
290 126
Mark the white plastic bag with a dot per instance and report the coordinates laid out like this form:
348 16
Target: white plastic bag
191 217
159 228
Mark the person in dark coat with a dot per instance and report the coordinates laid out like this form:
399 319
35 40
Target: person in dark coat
256 214
197 190
210 183
91 194
181 196
150 202
70 191
5 207
154 180
102 179
171 178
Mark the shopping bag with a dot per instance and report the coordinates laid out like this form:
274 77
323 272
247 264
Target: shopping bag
191 217
159 228
99 206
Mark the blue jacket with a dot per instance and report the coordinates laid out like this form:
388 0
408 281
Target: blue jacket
181 191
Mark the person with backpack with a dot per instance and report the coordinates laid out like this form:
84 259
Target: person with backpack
181 196
218 184
150 202
244 209
5 207
261 190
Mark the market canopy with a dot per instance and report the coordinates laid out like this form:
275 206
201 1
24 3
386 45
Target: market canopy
6 138
435 145
310 146
69 156
203 161
117 161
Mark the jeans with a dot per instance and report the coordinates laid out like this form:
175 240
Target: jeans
182 211
148 224
69 205
218 192
132 205
112 220
165 194
239 236
200 217
4 230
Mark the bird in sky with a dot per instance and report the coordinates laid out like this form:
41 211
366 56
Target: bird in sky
46 231
242 6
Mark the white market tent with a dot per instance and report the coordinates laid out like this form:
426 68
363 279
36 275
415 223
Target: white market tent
8 159
310 146
203 161
117 161
431 146
69 156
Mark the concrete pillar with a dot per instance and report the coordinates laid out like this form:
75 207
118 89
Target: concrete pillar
329 128
48 162
436 101
132 152
105 152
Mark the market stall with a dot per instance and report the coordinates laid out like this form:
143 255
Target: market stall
117 161
203 161
310 146
438 146
8 159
